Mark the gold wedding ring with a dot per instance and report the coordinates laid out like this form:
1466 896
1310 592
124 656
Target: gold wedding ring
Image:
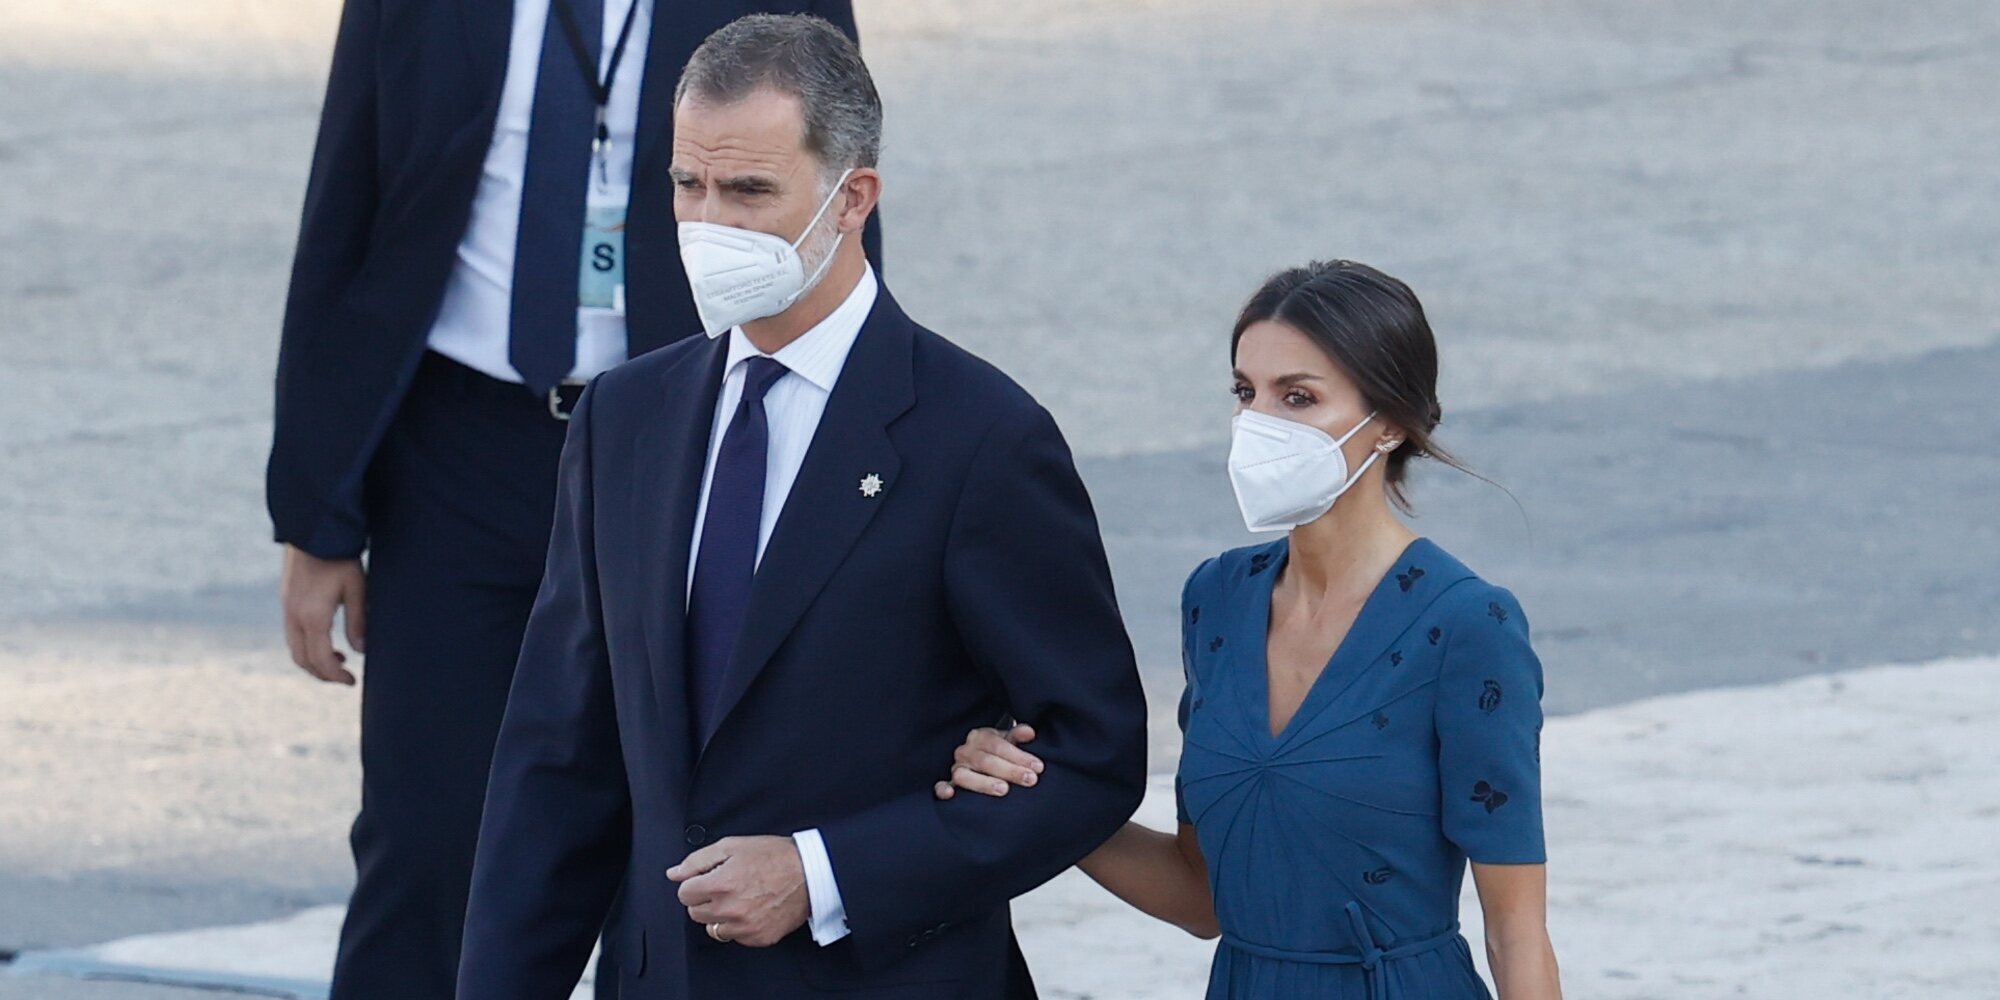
715 931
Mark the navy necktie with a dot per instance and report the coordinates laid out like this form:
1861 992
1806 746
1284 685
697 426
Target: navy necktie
728 557
548 248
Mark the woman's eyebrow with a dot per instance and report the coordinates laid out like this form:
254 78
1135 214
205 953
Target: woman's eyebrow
1283 380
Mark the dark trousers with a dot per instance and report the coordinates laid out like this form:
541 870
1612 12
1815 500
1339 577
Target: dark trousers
460 499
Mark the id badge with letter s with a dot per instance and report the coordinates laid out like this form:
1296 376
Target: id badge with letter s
601 277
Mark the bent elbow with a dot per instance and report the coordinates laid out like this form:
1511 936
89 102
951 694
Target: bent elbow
1130 798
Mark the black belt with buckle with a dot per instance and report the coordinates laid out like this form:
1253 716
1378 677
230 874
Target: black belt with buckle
563 397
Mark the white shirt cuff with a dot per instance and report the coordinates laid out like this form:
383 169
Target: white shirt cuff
829 914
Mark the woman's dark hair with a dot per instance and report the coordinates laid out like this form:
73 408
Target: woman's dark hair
1373 327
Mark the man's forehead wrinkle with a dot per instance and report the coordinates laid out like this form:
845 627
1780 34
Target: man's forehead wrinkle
756 126
733 155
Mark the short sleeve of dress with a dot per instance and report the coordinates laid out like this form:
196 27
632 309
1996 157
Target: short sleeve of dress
1190 617
1180 800
1489 725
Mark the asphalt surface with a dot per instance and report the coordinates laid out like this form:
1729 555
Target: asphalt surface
1714 286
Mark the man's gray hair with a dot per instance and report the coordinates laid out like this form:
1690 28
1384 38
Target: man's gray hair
803 56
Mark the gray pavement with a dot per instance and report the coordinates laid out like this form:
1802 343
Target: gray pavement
54 988
1714 284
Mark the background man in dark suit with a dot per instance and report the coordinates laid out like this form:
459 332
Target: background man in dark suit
486 174
824 518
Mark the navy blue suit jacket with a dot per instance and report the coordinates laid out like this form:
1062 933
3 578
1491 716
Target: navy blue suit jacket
410 106
879 631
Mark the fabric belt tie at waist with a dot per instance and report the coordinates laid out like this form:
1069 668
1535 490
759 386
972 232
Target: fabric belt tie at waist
1370 957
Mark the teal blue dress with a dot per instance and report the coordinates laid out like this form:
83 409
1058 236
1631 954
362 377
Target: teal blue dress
1337 848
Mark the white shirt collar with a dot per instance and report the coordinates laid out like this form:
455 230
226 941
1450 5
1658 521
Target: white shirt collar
818 354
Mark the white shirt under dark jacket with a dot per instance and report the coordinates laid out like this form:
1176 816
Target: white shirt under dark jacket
472 322
792 408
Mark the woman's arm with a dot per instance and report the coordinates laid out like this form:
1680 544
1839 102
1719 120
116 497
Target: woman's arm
1489 723
1514 899
1161 874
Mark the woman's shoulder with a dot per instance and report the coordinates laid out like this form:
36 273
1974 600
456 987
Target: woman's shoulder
1218 573
1459 589
1474 612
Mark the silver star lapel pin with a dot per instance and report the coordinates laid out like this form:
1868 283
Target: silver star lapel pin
871 485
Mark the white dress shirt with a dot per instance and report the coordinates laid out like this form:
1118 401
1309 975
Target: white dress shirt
792 408
472 321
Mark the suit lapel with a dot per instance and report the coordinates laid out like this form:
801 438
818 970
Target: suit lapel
679 27
674 451
656 90
489 33
827 509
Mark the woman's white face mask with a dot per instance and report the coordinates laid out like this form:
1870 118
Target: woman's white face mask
1287 473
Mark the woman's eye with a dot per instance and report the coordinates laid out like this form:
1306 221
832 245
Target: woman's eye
1243 393
1298 398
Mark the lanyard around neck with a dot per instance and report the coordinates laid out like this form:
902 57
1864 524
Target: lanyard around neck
600 88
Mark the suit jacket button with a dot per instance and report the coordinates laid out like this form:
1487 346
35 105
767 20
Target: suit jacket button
697 835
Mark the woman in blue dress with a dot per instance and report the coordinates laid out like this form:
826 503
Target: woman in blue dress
1362 714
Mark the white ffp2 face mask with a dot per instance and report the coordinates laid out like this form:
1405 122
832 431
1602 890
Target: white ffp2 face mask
1287 473
739 276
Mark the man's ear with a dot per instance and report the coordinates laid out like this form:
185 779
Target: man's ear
863 188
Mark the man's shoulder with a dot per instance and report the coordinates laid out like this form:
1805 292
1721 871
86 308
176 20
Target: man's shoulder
965 383
660 360
640 377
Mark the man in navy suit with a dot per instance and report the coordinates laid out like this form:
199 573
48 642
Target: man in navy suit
486 173
822 525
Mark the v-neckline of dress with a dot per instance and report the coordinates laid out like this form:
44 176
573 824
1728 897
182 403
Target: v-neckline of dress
1316 691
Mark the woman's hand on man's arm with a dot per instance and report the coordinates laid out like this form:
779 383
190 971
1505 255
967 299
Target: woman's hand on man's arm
991 761
1160 874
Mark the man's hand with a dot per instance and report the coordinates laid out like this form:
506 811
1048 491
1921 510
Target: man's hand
746 890
310 590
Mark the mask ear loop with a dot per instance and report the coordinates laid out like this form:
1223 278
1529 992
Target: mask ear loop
1373 454
830 195
1358 473
820 271
1356 429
